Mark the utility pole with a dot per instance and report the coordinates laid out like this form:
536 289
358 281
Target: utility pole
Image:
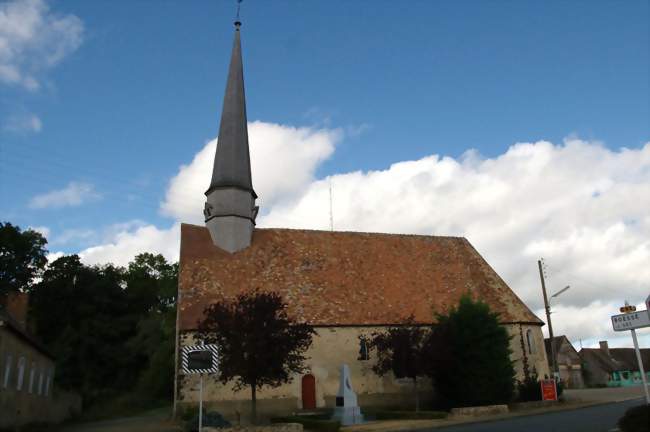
548 319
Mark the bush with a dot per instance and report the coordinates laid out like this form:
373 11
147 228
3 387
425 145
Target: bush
636 419
529 389
409 415
470 356
310 423
210 419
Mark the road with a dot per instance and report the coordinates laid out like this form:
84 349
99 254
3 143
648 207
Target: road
600 418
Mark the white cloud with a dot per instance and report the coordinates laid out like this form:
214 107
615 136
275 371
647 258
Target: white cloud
34 39
74 194
580 205
283 160
22 123
43 230
129 242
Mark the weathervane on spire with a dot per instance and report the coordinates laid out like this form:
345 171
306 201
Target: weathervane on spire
237 22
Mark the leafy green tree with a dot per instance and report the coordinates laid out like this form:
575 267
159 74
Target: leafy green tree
470 356
22 258
400 351
259 344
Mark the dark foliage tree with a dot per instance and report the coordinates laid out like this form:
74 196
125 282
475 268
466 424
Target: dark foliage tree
470 356
111 330
259 344
400 351
22 258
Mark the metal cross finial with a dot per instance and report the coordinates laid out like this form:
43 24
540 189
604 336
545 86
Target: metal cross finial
237 22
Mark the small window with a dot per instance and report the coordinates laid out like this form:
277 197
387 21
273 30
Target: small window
531 341
21 373
7 375
32 374
47 383
363 349
40 382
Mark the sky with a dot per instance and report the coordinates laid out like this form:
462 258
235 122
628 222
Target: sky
521 125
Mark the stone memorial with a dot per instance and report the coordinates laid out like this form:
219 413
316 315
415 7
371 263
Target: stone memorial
347 410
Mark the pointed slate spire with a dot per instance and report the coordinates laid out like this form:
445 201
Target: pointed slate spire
232 167
230 209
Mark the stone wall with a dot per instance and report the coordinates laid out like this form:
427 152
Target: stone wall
331 347
31 399
277 427
536 359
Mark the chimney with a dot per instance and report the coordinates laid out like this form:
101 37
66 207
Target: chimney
17 304
604 347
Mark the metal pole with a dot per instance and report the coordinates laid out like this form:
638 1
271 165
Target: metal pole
548 320
638 358
201 404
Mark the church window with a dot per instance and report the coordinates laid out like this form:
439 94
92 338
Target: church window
7 374
21 373
363 349
531 341
32 373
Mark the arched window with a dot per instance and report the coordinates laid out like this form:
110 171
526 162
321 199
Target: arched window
531 341
32 374
363 349
21 373
5 381
40 382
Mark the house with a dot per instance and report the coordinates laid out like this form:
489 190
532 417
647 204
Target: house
568 361
26 372
613 367
345 284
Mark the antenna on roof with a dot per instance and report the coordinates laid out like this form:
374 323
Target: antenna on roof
331 212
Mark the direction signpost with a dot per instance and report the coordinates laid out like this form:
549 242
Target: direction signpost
632 320
200 359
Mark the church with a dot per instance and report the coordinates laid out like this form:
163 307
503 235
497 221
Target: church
345 284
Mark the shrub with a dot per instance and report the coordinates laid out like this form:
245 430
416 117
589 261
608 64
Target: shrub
470 356
310 423
210 419
636 419
529 389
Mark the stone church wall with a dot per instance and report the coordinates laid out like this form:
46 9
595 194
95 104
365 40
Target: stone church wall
536 359
333 346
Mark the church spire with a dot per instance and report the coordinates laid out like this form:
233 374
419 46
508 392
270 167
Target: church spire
230 209
232 167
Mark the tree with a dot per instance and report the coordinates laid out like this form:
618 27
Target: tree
259 344
400 350
22 258
470 356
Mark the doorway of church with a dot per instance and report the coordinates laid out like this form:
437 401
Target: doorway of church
308 392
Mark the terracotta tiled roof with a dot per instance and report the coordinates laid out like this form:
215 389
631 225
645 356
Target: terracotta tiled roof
343 278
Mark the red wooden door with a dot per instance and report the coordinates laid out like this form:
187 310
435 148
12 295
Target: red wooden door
308 392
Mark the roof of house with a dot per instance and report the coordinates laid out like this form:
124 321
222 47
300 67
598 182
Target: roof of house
600 359
343 278
619 359
557 344
627 357
8 321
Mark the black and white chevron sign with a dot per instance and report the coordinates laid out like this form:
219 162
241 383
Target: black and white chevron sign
199 359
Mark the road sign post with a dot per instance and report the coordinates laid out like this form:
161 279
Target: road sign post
200 359
633 320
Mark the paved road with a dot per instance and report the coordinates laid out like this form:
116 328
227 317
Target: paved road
600 418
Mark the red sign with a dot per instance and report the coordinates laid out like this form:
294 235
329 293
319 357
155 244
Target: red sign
549 390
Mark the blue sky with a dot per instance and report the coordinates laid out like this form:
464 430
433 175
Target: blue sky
133 90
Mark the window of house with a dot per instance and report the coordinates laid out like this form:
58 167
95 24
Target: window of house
7 374
363 349
40 382
21 373
32 374
530 341
47 382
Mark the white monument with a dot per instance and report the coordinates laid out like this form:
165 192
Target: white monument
347 410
